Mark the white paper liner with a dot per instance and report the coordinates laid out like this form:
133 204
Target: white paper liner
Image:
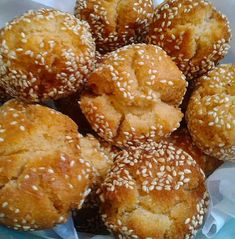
222 194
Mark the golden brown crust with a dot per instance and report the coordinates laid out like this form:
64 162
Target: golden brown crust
154 191
101 155
134 95
193 33
45 54
182 139
42 174
211 113
116 23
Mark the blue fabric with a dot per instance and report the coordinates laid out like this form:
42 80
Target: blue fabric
61 231
227 232
6 233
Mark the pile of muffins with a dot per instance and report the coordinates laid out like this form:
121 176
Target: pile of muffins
144 114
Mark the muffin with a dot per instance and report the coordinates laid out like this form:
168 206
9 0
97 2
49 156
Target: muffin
116 23
193 33
45 54
43 175
182 139
211 113
154 191
134 96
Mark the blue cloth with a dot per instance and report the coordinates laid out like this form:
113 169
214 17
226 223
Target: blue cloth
227 232
6 233
65 231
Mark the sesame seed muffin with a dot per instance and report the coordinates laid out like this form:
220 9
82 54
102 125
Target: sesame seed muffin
193 33
42 175
211 113
45 54
116 23
155 191
133 95
182 139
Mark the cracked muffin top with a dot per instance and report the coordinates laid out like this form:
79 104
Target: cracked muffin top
42 173
193 33
45 54
154 191
116 23
134 95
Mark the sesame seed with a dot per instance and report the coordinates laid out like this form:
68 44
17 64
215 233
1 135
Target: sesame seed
22 128
50 170
72 163
4 204
62 157
187 221
26 227
61 219
70 185
17 210
35 188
